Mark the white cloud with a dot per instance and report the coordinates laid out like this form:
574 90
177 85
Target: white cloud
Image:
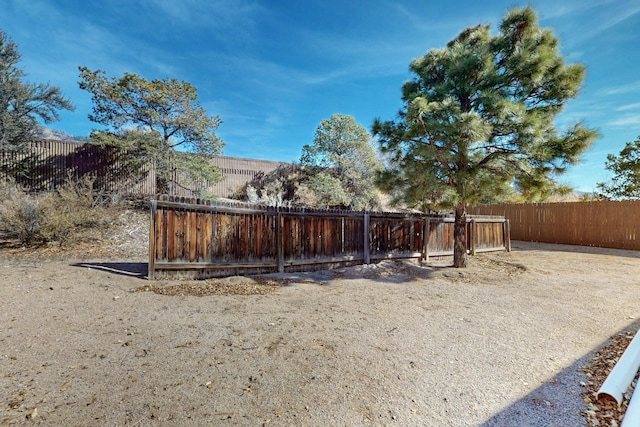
619 15
629 120
579 23
628 107
213 14
565 9
422 20
621 89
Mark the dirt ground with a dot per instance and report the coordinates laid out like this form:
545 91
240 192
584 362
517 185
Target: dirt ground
86 340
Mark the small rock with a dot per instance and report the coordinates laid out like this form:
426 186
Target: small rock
33 414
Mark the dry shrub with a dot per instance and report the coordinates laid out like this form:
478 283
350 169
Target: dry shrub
74 212
21 215
276 188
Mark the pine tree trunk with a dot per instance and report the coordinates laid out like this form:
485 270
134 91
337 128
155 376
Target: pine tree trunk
460 258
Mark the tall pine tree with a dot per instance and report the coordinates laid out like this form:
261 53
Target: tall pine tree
478 117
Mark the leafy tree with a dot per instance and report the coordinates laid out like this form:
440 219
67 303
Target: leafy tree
342 164
22 104
478 117
625 167
329 191
166 110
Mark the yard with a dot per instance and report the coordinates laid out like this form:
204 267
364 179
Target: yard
86 340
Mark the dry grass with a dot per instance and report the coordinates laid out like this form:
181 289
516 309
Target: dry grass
256 285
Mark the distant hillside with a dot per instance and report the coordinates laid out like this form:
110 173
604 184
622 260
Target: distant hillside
46 133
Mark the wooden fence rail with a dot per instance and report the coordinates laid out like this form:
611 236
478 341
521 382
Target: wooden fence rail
201 238
609 224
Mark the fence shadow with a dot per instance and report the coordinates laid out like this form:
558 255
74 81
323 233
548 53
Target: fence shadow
386 271
130 269
389 272
559 247
557 401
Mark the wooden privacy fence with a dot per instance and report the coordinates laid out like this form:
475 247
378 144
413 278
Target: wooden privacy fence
201 238
609 224
47 164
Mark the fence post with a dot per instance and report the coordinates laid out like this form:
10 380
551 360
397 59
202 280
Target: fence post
506 227
152 240
412 231
367 255
425 239
472 236
279 240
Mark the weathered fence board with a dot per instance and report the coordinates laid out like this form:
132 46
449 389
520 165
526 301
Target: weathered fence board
199 238
610 224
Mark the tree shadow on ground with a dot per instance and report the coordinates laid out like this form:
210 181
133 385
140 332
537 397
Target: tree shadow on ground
556 402
130 269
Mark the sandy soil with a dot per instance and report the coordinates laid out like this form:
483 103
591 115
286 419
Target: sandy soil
86 341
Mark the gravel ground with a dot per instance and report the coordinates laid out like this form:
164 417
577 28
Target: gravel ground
87 340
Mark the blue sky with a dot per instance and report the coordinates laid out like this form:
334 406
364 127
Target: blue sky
272 70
